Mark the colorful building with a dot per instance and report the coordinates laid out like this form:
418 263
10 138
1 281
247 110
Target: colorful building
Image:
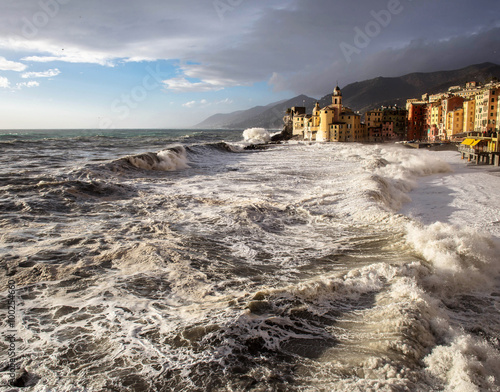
490 110
487 110
311 123
498 116
435 121
469 115
340 124
477 106
295 119
382 133
416 121
454 122
333 123
395 115
449 105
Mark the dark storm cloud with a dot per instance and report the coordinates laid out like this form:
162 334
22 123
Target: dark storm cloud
419 55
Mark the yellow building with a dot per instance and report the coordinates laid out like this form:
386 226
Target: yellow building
373 118
311 124
348 129
332 123
498 116
454 122
435 121
338 123
298 125
436 114
487 109
469 115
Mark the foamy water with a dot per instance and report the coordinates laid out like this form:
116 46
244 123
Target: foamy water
174 262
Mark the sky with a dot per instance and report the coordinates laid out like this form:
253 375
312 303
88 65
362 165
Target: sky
94 64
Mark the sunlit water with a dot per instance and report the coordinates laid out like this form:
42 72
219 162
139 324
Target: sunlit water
178 261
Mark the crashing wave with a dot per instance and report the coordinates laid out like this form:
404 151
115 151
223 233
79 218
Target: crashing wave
171 159
256 136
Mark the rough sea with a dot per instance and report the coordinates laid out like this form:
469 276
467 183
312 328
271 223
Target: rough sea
174 260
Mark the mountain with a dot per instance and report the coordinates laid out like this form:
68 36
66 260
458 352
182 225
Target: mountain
373 93
359 96
225 120
269 116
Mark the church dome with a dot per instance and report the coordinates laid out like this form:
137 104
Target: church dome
337 92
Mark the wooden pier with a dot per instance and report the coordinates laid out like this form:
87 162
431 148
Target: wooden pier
481 150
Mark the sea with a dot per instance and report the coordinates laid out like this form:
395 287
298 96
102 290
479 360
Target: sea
204 260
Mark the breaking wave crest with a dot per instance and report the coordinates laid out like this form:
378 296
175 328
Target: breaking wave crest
395 175
170 159
461 258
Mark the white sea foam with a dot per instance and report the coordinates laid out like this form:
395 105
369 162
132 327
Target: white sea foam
462 197
256 136
396 173
295 266
461 258
465 364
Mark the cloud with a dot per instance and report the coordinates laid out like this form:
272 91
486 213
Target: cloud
294 45
189 104
226 101
6 65
76 58
4 82
29 84
45 74
204 103
181 85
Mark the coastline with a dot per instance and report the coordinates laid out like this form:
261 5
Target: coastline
462 197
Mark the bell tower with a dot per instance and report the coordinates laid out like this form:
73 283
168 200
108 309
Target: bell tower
337 103
337 96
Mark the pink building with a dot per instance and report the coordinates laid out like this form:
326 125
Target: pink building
433 133
388 132
383 133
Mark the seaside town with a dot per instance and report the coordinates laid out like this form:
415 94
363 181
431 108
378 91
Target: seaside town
468 116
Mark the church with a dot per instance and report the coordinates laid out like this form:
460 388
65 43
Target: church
333 123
